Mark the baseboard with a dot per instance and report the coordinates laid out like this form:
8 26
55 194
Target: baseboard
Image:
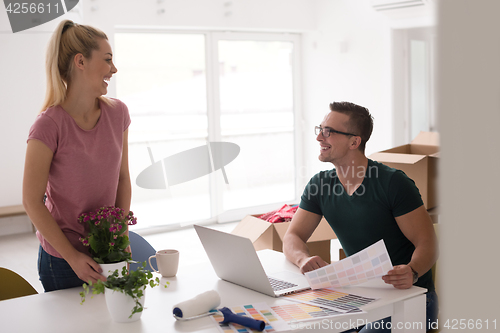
15 225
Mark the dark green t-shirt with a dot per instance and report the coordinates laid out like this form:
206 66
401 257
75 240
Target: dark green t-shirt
368 215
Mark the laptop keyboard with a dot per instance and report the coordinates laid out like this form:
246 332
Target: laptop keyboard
280 284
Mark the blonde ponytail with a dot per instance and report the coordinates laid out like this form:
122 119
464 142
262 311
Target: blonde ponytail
68 40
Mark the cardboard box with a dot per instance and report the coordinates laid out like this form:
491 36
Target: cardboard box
419 160
266 235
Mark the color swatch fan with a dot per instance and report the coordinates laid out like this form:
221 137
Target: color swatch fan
367 264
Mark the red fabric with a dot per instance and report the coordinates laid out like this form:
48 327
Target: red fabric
284 214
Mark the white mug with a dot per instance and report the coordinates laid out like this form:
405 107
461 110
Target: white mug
167 261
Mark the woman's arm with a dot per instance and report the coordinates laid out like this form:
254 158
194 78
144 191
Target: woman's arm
124 190
36 175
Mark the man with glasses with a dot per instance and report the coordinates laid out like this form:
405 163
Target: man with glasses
364 201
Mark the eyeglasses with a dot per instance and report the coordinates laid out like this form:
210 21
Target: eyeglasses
325 131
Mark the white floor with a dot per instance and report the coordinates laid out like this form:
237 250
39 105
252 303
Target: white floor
19 252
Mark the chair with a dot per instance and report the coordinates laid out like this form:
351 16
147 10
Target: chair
13 285
141 251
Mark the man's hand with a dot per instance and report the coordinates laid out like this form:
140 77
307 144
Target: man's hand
311 263
86 268
401 277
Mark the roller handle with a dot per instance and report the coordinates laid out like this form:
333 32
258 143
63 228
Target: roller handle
230 317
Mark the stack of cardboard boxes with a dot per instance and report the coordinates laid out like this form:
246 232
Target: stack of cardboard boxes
419 160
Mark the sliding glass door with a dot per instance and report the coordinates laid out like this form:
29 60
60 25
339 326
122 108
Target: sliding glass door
184 90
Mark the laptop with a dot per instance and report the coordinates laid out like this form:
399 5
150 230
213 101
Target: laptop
234 260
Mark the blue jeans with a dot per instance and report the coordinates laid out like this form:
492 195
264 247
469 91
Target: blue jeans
55 273
432 310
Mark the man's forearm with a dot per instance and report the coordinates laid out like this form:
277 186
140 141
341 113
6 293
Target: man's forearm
424 257
295 249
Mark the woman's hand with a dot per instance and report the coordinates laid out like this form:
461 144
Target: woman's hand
86 268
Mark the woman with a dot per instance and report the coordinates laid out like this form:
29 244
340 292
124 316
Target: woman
77 154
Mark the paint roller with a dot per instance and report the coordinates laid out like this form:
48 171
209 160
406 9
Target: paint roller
204 304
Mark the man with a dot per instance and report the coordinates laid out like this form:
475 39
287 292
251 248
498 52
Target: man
364 201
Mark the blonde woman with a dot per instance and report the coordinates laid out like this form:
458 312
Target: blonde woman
76 155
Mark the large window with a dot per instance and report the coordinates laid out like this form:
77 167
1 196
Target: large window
184 90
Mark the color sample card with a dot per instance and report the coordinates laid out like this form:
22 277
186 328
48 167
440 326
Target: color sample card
367 264
259 311
305 312
331 299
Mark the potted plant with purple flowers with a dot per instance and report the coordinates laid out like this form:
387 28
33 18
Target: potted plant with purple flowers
107 239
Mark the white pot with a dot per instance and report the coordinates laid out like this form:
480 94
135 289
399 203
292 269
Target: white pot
108 269
120 306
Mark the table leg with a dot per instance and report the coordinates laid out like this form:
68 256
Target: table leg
409 315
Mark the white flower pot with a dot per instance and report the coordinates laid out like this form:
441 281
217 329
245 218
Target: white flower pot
108 269
120 306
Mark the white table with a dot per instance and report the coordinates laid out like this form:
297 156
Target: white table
60 311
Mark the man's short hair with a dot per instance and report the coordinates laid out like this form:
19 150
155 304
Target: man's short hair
360 120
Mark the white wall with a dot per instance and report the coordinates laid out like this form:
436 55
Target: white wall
347 58
22 78
279 15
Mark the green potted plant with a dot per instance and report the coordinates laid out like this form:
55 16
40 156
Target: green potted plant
124 293
107 239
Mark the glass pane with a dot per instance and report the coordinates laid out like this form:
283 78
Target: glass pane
161 78
419 88
256 98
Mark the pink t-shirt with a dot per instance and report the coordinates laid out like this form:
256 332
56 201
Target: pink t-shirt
85 166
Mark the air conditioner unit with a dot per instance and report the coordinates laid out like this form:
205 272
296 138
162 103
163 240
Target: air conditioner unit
380 5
